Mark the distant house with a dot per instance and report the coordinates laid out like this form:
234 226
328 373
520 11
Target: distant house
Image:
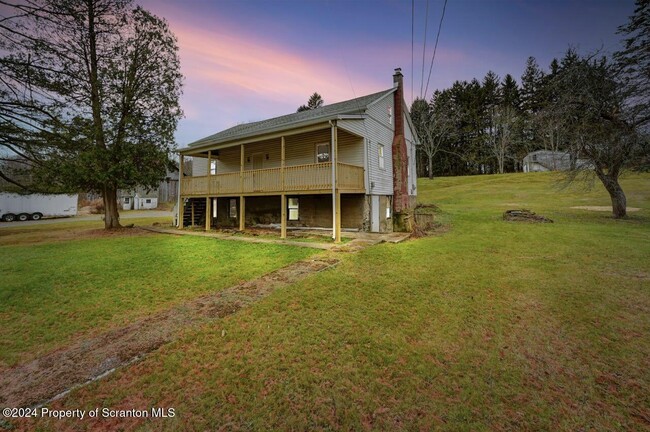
142 199
547 160
345 165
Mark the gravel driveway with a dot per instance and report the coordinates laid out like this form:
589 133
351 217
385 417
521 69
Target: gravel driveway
123 216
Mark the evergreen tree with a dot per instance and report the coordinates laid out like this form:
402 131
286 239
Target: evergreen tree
315 101
510 92
531 87
90 93
633 63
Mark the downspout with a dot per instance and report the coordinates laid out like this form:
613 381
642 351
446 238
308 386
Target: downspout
332 126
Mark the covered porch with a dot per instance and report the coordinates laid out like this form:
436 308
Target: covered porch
322 160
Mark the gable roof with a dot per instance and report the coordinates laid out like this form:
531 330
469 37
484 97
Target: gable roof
355 106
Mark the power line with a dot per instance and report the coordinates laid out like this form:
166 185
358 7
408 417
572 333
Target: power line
412 26
426 24
444 7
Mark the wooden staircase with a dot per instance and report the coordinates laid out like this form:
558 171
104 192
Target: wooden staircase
194 212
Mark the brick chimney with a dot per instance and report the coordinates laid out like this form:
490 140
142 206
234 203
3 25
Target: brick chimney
400 158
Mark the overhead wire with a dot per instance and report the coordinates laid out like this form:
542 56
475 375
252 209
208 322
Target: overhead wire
424 49
435 48
412 43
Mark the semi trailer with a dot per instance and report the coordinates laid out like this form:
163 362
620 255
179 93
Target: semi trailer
16 207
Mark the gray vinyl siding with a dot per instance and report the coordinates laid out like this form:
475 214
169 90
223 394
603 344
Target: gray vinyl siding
301 149
380 131
350 148
228 160
199 166
354 126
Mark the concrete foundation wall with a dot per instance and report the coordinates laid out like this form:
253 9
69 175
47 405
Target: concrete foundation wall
263 210
223 219
316 211
385 223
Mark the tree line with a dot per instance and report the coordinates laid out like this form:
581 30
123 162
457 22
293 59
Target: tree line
591 107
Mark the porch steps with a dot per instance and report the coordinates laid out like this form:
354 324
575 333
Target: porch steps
198 204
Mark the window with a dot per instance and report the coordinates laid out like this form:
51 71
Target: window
233 207
380 150
127 200
322 153
293 209
534 158
213 167
147 201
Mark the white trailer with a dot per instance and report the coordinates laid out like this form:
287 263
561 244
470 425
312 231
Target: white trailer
36 206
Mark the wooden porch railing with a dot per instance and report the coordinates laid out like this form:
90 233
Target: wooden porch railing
296 178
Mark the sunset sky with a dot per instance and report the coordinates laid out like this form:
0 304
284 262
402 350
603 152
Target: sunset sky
251 60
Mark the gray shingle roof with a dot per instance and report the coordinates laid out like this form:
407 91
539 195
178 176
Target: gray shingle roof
350 107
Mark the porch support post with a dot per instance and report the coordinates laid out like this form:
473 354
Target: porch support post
209 169
192 213
283 216
241 169
282 161
283 197
338 217
181 202
336 196
242 212
208 212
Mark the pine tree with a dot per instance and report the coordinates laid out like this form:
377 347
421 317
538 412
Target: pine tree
634 64
315 101
531 86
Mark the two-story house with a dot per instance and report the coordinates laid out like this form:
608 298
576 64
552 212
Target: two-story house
346 165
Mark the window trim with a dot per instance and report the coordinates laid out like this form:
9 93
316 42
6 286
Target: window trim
295 207
329 152
231 207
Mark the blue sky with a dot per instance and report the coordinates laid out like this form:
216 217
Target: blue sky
250 60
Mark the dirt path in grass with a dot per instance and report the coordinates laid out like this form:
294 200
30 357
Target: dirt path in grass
54 374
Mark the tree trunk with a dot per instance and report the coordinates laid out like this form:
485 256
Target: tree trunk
111 215
430 168
501 163
619 202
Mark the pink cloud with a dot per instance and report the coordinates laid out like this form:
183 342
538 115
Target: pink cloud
233 76
229 66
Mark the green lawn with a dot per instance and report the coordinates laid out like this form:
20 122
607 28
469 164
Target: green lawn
54 292
492 326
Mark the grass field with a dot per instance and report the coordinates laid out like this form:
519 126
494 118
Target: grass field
492 326
64 282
